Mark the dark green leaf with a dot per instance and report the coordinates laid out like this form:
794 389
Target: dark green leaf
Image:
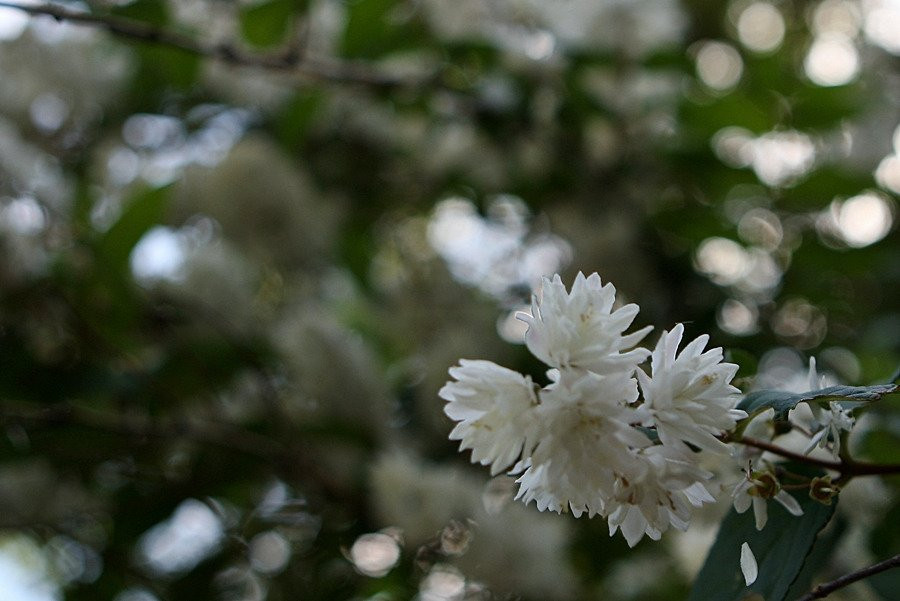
818 558
151 12
886 584
161 70
783 402
376 27
267 24
884 542
296 118
781 549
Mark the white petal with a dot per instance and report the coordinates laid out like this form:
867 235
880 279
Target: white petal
748 565
789 503
742 502
760 512
633 526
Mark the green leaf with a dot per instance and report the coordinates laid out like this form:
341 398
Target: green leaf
267 24
781 549
886 584
817 561
144 210
151 12
884 542
161 71
378 27
296 118
782 402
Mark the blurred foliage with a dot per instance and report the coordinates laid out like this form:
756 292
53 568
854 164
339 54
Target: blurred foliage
223 276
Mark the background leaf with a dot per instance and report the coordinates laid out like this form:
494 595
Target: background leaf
267 24
781 550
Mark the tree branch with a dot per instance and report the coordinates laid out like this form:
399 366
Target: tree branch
823 590
290 62
844 467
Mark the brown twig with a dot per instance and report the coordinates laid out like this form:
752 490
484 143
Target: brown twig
823 590
844 467
291 61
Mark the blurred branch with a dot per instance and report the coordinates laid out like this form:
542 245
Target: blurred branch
292 61
823 590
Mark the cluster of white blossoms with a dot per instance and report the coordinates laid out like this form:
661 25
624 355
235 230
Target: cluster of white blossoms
604 437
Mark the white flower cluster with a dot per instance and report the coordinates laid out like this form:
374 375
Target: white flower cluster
604 437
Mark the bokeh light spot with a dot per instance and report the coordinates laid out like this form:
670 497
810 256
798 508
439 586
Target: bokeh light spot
832 61
443 583
864 219
760 27
719 66
780 157
887 174
737 318
840 17
882 24
160 254
269 552
178 544
374 554
723 260
48 112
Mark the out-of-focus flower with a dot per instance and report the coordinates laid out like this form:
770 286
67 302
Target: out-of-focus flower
689 396
830 424
755 490
825 426
512 549
580 329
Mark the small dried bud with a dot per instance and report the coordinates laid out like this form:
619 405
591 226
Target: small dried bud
823 490
455 538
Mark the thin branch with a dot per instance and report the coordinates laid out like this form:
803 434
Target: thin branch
823 590
290 62
845 468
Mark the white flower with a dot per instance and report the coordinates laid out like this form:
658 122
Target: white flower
585 440
689 396
663 491
755 489
748 565
825 426
830 424
580 329
578 441
493 406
